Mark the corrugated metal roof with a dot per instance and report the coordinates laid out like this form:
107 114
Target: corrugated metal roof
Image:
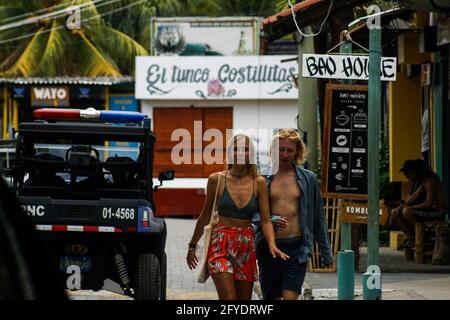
288 12
306 12
102 81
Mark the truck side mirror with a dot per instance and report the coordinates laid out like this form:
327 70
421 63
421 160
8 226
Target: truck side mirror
166 175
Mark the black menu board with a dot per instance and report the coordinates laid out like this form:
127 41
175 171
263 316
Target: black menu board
345 144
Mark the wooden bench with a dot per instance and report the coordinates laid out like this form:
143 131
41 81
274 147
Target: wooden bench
422 230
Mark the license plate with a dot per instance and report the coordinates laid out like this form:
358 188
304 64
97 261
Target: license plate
83 262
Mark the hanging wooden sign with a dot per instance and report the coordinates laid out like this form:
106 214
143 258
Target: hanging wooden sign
346 67
345 143
357 212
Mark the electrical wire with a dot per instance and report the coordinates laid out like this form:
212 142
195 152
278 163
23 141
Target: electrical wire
55 14
83 20
39 11
321 25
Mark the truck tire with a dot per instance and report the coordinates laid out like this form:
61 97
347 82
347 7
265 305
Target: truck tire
163 277
148 277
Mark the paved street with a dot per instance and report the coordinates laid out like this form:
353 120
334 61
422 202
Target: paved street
421 282
181 282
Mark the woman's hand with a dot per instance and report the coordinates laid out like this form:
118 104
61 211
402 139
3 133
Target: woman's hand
281 223
192 259
275 252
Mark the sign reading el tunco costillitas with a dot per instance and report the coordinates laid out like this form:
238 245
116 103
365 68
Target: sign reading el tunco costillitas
215 78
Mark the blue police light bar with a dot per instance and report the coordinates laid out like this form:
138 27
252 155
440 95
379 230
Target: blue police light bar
121 116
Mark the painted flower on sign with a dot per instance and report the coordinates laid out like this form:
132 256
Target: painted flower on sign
215 88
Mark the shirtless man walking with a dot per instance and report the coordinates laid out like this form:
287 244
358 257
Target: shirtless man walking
297 209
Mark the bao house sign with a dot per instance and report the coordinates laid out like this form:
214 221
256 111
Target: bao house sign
346 67
215 78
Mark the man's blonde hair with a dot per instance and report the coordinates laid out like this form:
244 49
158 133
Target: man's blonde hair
301 151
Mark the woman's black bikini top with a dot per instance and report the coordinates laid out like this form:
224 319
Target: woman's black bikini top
227 207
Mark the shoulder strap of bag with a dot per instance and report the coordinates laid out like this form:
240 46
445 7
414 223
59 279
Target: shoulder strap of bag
213 211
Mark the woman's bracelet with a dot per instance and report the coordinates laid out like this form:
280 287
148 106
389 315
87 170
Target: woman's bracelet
192 246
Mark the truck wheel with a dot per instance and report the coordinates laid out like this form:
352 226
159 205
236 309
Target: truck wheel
148 277
163 277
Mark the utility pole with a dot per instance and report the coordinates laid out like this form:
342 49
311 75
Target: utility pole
307 103
372 278
346 257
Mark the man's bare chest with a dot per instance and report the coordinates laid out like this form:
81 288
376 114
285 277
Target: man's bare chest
284 189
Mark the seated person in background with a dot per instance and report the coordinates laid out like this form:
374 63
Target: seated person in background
394 207
427 203
46 174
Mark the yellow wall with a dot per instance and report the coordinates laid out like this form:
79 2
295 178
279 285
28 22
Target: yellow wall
408 49
405 114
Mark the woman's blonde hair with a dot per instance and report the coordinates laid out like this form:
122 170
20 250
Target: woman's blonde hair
301 151
251 166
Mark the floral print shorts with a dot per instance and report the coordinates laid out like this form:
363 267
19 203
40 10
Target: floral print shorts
232 249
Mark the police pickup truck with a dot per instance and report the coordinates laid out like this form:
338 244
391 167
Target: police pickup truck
84 178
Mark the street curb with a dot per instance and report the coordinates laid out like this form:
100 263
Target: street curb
257 290
306 292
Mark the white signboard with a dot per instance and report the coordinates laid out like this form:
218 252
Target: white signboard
345 67
215 78
218 36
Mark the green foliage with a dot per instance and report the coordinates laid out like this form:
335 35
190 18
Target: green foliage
318 173
262 8
361 11
48 48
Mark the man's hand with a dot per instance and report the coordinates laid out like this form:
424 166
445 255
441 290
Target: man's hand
281 222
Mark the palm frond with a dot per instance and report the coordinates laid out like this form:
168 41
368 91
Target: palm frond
144 26
30 57
7 42
119 46
8 60
10 11
168 8
91 62
89 14
31 5
282 5
203 8
54 56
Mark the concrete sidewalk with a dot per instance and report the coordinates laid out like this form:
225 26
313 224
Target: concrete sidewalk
401 279
395 286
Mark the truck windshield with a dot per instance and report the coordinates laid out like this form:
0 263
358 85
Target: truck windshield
110 149
81 171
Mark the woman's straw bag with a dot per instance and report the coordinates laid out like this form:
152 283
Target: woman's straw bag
204 274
